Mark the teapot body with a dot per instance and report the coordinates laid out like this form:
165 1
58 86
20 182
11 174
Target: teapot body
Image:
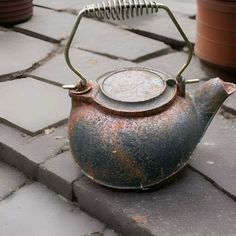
126 152
136 127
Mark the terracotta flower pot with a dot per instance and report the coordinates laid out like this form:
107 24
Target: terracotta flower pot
216 32
15 11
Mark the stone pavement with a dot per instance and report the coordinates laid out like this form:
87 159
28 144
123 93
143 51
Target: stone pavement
28 208
33 133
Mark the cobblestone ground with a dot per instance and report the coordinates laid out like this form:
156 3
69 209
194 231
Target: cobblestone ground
33 134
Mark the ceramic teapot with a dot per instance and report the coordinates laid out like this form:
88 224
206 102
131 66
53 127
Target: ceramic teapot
136 127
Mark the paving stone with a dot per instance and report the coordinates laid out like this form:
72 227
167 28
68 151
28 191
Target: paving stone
188 7
10 180
35 210
57 5
159 26
33 105
172 62
89 64
25 152
65 4
48 24
59 173
13 47
230 104
188 206
110 40
215 156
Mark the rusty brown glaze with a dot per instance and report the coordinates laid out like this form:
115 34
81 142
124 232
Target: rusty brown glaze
135 150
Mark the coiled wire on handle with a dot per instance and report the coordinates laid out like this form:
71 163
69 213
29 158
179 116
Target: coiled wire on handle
122 10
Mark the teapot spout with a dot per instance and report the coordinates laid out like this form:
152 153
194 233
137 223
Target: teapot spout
209 97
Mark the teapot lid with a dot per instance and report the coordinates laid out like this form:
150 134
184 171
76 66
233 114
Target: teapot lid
135 89
133 85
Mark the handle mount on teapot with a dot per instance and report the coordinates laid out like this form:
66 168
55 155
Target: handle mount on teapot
124 9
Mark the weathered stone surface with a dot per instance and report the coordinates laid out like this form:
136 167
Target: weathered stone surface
110 40
25 152
172 63
215 156
10 180
33 105
188 206
35 210
230 104
48 24
89 64
160 26
13 48
59 173
65 4
57 5
187 7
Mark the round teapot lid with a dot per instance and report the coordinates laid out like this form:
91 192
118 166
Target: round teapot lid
135 90
133 85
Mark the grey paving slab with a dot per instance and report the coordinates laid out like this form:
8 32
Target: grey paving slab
10 180
215 156
35 210
25 152
160 26
13 48
188 206
65 4
172 62
57 5
90 65
48 24
230 104
188 7
33 105
110 40
59 173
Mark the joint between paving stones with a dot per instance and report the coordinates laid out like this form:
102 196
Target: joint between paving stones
26 73
228 194
66 10
57 50
173 43
15 190
36 35
138 60
228 113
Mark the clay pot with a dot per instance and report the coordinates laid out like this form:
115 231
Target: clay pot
216 32
15 11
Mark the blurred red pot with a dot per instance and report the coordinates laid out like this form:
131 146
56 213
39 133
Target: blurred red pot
15 11
216 32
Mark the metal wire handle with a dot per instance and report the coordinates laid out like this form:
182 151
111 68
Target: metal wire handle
123 9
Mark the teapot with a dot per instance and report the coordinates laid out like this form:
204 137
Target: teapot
136 127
